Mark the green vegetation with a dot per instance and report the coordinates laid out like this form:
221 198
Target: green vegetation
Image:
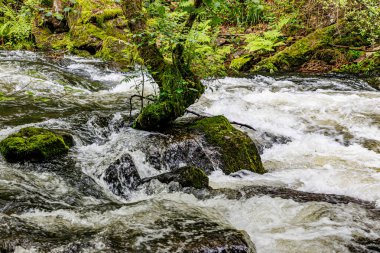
16 25
182 42
298 53
236 148
226 36
35 145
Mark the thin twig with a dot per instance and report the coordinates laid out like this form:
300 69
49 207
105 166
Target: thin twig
18 91
243 125
232 122
143 86
195 113
138 96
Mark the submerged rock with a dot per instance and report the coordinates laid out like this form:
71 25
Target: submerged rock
237 149
186 153
35 145
122 176
186 176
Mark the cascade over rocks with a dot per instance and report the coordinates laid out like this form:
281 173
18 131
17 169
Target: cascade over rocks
122 175
190 150
35 145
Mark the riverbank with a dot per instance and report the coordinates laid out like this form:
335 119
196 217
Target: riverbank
310 37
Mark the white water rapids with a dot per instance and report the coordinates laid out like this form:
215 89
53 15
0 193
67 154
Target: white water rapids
317 134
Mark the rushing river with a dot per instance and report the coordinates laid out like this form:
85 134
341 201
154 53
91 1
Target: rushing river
317 135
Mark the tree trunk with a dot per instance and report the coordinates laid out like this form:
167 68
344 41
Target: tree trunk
179 86
57 6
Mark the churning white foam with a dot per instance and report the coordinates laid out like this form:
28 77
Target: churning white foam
325 129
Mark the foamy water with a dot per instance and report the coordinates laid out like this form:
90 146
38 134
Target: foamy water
326 131
316 134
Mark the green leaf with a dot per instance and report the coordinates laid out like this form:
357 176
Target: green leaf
58 16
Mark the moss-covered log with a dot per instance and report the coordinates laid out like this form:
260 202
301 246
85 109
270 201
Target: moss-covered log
179 87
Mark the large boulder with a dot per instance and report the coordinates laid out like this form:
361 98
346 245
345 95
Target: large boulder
35 145
237 150
186 153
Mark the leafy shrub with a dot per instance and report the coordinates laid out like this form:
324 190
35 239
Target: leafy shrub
15 26
237 12
267 41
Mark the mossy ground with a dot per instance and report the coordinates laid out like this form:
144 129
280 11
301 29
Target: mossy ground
237 150
297 54
97 29
33 144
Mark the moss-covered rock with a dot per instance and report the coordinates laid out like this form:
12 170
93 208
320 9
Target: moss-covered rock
237 150
35 145
96 29
188 176
156 116
297 54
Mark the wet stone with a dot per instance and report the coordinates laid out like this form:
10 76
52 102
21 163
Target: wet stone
122 176
188 176
190 152
35 145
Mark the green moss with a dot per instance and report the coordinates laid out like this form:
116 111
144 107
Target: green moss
97 29
353 55
239 63
237 149
118 51
88 7
188 176
295 55
100 17
156 116
368 66
5 98
33 144
194 177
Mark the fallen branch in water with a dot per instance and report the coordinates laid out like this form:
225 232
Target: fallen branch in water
243 125
232 122
188 111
